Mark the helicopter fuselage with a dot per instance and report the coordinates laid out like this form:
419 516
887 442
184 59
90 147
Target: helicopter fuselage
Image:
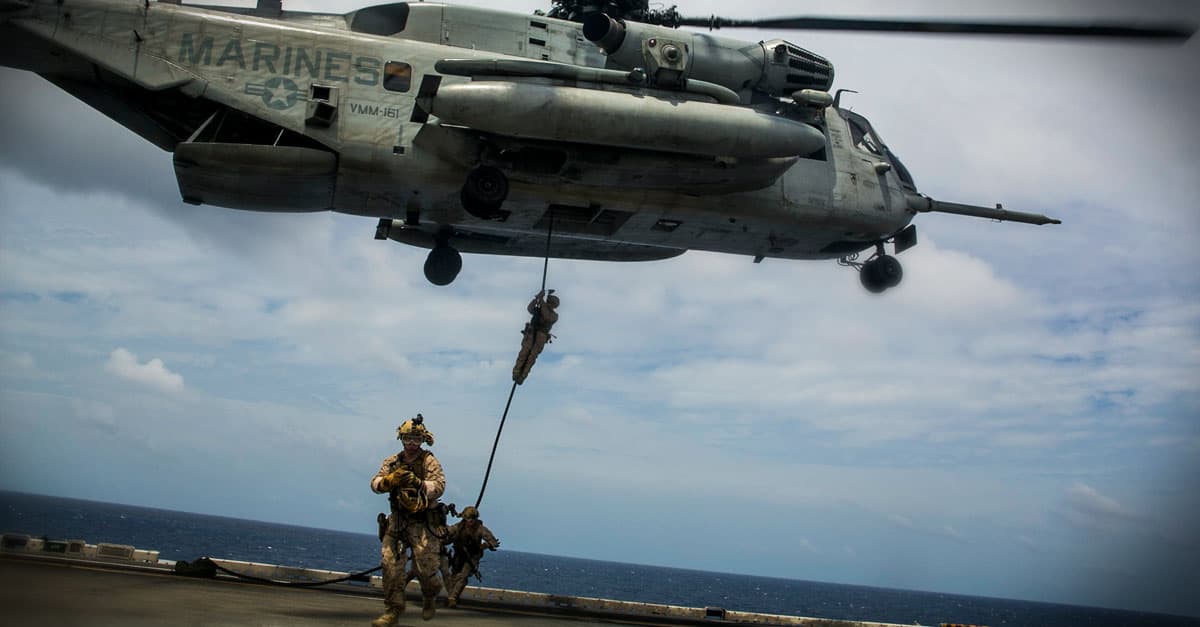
350 113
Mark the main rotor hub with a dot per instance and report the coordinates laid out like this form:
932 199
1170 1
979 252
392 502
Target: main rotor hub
636 10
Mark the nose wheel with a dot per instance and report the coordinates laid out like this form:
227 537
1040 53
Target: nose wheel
877 274
880 273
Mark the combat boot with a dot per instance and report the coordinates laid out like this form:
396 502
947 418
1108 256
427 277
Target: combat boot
387 619
428 609
451 602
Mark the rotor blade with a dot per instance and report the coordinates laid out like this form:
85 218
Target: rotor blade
1161 31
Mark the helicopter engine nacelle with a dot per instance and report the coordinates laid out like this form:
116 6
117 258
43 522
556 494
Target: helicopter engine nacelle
775 67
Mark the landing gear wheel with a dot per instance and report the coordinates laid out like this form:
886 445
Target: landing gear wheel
869 280
880 273
483 192
442 265
889 270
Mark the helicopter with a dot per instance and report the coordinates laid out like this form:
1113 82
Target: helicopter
596 130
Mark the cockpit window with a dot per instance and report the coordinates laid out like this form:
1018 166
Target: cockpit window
863 139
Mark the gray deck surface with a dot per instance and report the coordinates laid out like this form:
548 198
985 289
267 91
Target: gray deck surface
62 594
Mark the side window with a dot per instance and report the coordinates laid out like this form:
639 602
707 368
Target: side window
397 76
863 139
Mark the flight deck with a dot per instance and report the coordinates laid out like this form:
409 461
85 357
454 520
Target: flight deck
116 585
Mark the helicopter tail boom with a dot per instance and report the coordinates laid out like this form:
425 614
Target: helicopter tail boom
925 204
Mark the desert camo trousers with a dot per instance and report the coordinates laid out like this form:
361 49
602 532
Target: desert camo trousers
531 346
425 547
456 583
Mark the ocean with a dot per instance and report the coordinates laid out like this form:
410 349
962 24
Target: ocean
186 536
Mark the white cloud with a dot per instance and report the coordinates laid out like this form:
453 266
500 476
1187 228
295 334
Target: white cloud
154 373
1086 506
952 286
943 531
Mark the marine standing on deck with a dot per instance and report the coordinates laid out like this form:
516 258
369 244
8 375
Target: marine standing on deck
413 480
536 333
469 538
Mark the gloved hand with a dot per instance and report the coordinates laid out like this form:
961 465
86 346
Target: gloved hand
408 480
402 478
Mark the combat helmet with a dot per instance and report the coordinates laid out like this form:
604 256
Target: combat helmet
415 426
470 513
551 299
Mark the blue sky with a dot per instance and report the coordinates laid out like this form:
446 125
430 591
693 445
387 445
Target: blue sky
1018 419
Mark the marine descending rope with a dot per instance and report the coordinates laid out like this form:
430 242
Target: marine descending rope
511 392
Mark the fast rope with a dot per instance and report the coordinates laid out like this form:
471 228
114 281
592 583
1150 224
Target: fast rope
206 567
511 392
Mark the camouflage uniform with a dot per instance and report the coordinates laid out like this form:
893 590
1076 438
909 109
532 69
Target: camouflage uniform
469 538
536 334
421 531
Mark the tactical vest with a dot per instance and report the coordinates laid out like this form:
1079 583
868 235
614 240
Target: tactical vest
416 467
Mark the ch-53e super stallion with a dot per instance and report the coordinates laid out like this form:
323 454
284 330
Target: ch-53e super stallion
595 131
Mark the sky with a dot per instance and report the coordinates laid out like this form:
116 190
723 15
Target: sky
1020 418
